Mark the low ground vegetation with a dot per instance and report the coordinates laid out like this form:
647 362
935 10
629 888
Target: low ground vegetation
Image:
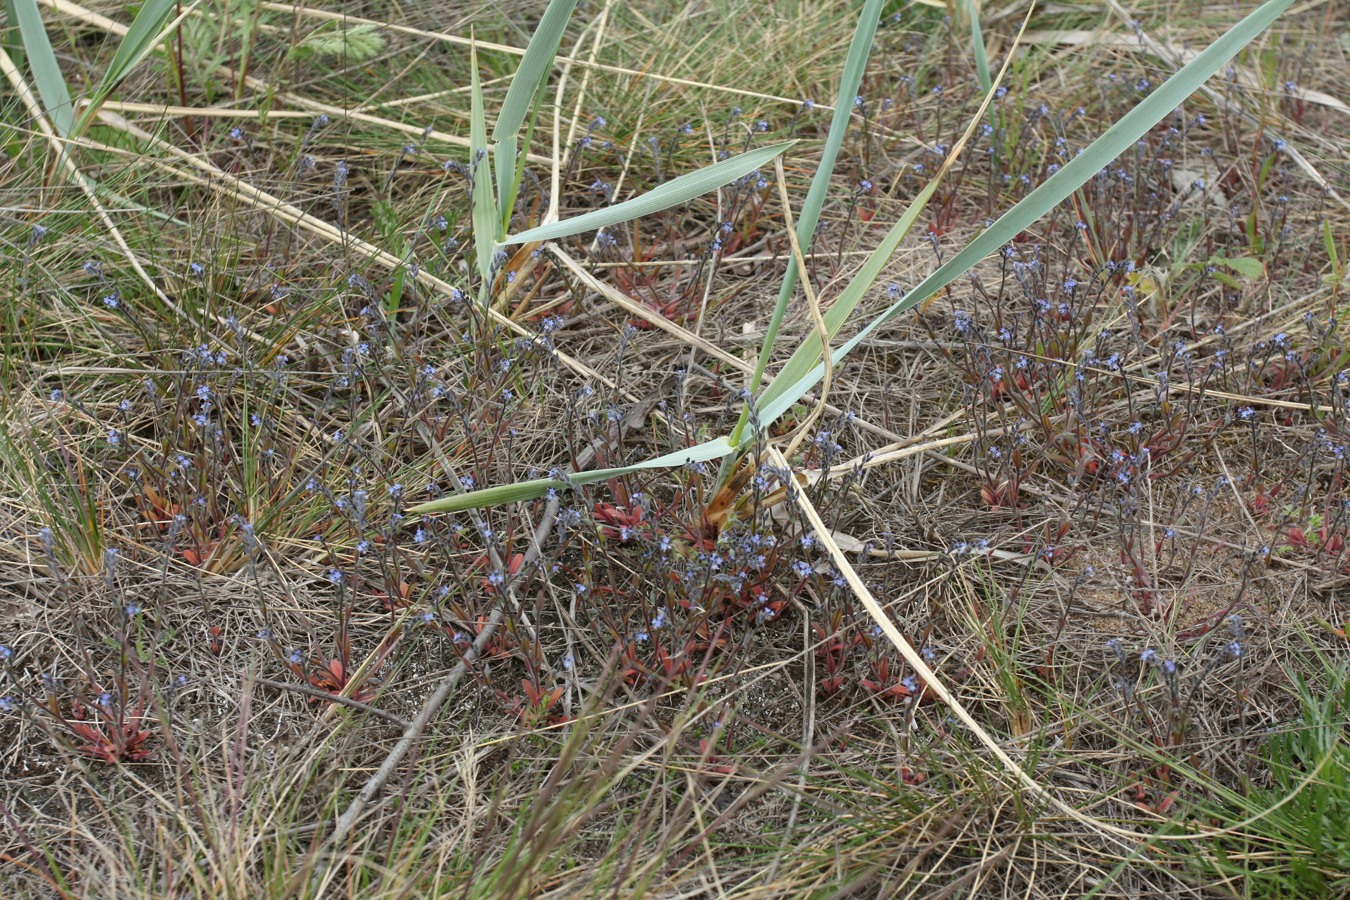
1100 484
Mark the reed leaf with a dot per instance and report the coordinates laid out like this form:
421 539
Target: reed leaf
480 175
855 64
530 76
802 372
145 33
51 83
664 196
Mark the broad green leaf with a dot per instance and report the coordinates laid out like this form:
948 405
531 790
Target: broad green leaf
51 84
664 196
1245 266
802 373
534 67
142 37
525 84
480 173
530 490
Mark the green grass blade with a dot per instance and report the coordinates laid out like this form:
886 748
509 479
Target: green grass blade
534 68
13 41
977 47
809 215
530 490
505 154
507 197
51 84
801 373
810 350
485 216
525 85
142 37
672 193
